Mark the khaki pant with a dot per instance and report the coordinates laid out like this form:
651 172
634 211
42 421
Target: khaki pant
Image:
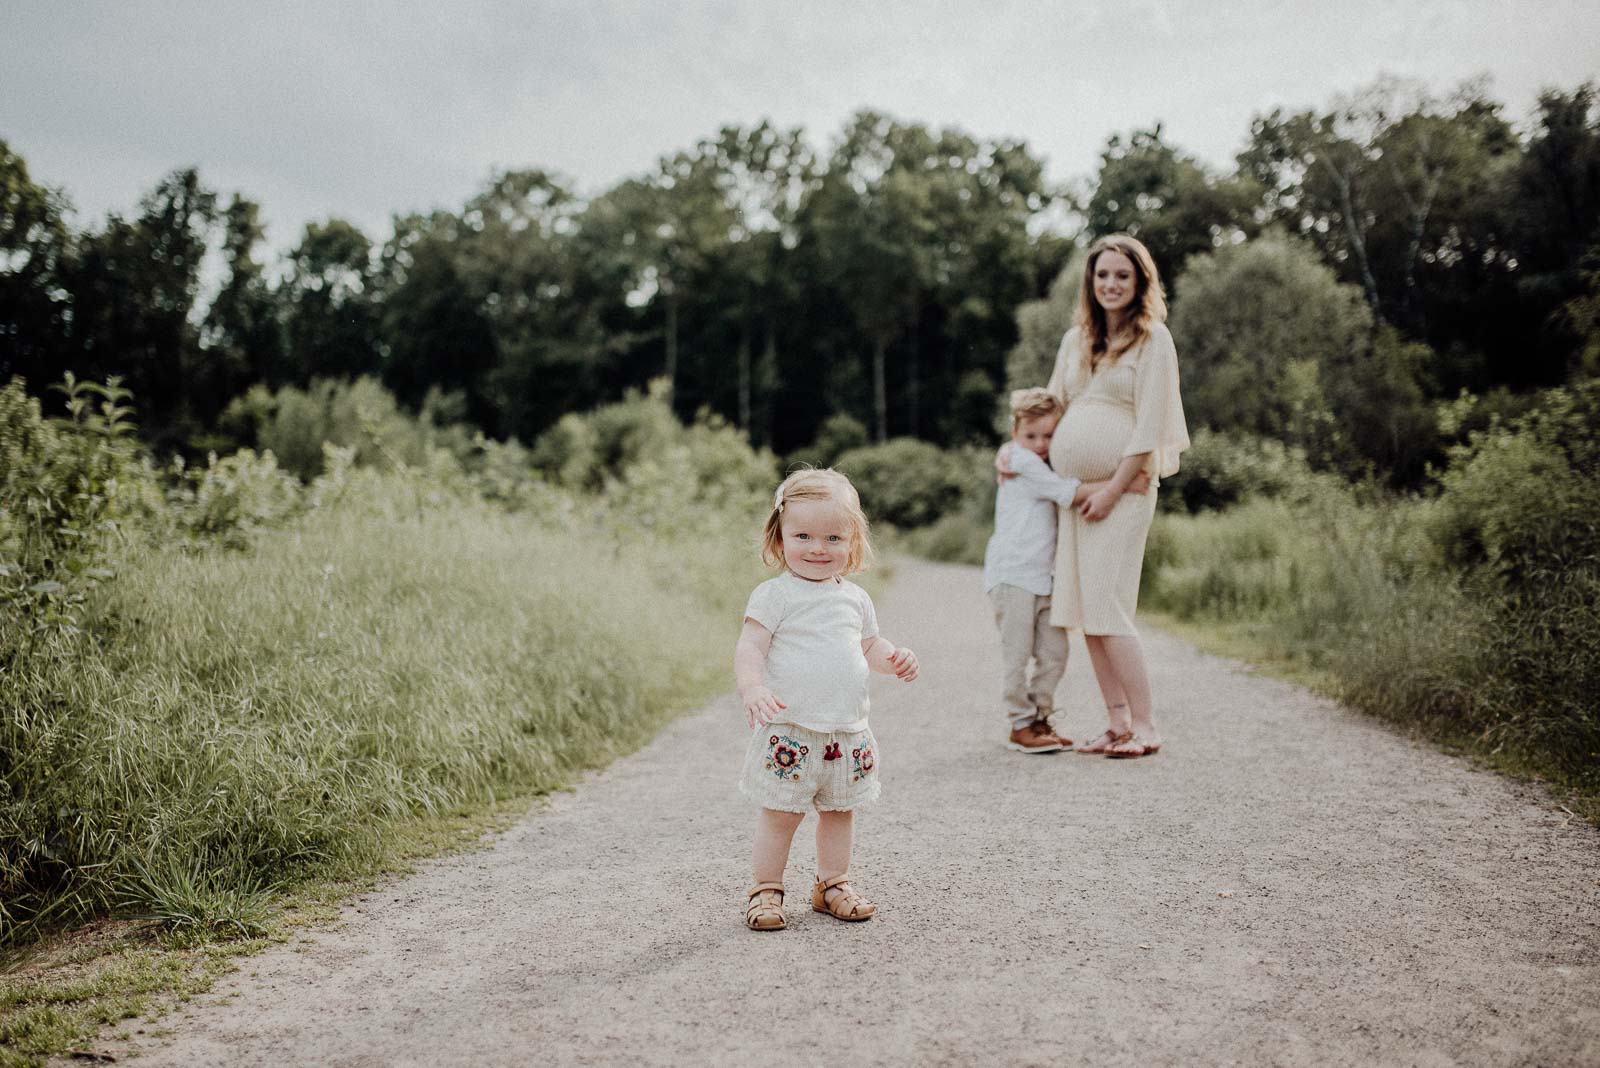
1026 634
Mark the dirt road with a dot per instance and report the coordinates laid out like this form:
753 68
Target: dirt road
1286 883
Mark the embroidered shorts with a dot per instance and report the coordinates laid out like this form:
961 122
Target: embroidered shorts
795 769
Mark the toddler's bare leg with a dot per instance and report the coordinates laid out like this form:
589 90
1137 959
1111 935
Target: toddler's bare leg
835 836
1111 686
774 831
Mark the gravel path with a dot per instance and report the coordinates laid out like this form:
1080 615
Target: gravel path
1286 883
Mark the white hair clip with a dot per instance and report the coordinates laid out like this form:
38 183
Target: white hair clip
777 500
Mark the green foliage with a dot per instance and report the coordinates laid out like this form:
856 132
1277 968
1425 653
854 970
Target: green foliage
838 435
1523 499
66 485
1162 196
1041 324
1248 315
294 424
905 482
394 644
1475 613
1221 469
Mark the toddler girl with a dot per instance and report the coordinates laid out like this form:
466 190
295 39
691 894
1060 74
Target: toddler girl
802 663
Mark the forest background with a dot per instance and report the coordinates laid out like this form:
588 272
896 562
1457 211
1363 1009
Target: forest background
265 519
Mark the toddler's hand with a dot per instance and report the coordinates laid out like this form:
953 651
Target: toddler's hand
905 664
1098 506
761 706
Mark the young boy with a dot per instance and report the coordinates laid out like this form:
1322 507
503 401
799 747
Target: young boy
1017 571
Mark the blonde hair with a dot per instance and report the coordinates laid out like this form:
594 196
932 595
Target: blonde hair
1035 403
1148 308
817 484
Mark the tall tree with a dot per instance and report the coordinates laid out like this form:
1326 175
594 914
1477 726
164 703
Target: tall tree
1382 182
33 245
1148 188
332 313
133 288
242 340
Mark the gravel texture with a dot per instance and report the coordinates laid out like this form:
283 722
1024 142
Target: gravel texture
1286 883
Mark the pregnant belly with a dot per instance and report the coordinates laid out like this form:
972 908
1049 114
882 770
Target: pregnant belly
1089 441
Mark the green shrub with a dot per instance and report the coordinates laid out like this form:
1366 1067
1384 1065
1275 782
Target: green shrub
1220 469
293 424
838 434
905 481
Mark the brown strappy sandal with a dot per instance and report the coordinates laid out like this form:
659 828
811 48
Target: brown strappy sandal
1128 746
765 911
846 904
1104 741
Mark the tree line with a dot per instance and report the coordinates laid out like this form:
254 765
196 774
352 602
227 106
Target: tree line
779 285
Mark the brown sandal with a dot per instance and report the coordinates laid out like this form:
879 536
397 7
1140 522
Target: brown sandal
765 911
846 904
1129 746
1106 740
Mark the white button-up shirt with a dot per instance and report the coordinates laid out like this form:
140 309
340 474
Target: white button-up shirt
1022 551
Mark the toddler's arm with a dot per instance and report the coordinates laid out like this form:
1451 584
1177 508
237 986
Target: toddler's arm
761 705
885 659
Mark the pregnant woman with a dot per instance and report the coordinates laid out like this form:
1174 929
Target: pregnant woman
1117 374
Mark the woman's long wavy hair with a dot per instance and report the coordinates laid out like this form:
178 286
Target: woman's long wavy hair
1149 302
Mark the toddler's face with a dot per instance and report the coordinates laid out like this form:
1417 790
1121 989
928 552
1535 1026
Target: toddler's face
816 539
1035 434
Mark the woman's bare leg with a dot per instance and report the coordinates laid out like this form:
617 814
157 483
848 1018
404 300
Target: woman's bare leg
1112 690
774 831
1125 652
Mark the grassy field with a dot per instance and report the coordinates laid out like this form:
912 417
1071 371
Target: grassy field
254 722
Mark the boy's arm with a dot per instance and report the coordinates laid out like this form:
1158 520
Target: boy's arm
761 705
885 659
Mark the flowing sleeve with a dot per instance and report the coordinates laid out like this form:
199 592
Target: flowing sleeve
1065 352
1158 426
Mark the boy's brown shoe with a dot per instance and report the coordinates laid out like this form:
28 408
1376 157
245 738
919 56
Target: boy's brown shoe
1034 737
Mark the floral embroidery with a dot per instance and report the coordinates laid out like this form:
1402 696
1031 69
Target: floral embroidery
832 752
786 758
865 761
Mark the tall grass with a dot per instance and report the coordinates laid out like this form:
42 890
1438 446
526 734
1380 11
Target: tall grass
214 689
254 714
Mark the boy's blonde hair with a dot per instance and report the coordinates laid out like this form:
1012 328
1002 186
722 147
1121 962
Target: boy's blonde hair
817 484
1035 403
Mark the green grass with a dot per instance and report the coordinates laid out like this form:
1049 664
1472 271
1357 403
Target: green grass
1347 599
252 716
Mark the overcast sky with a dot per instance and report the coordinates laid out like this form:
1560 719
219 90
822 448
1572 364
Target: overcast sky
363 109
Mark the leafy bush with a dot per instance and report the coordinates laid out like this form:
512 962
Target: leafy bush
66 486
838 435
905 481
1250 313
293 424
1523 498
1220 469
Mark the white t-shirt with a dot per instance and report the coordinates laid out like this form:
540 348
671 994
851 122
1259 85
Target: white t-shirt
1022 551
815 665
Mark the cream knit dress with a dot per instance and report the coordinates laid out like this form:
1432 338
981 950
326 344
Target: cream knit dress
1128 406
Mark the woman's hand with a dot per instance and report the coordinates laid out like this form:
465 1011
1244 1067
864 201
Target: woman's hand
1140 483
1099 504
1002 463
905 664
761 706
